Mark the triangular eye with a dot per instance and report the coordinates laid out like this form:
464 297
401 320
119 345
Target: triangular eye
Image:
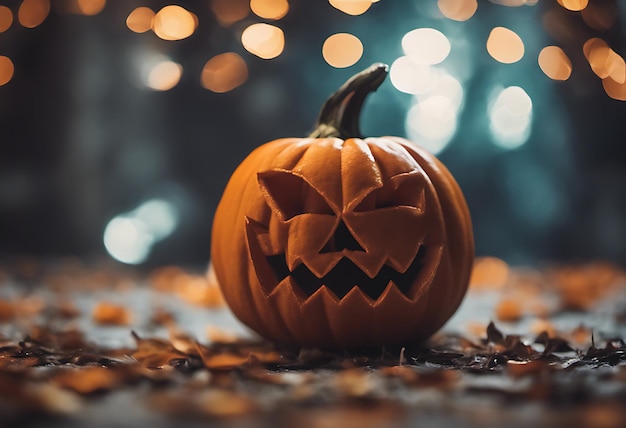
289 195
402 190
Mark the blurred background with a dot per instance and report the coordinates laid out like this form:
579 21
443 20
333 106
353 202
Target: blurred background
121 121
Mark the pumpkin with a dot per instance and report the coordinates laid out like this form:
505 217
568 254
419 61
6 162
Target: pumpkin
341 241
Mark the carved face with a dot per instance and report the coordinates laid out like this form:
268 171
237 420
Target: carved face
366 218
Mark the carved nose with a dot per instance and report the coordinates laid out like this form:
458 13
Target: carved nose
342 239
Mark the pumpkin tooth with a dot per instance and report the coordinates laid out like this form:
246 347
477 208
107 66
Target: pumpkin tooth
369 263
293 262
395 316
289 286
321 264
265 274
351 319
356 296
391 294
322 293
402 262
318 312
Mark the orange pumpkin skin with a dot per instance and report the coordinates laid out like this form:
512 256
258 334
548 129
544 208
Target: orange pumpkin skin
333 242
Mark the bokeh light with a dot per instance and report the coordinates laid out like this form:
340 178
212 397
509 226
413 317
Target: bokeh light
33 13
90 7
600 16
6 70
615 90
432 120
228 12
515 3
342 50
574 5
555 63
431 123
270 9
510 117
127 240
174 23
129 237
410 77
604 61
426 46
140 19
80 7
6 18
164 75
224 72
458 10
489 273
505 45
263 40
351 7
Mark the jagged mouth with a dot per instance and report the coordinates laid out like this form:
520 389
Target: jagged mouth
346 275
272 271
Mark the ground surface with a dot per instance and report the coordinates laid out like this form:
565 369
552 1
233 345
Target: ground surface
90 344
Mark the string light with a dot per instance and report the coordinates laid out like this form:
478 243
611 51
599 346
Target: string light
458 10
174 23
6 70
351 7
224 72
342 50
140 20
604 61
129 237
270 9
164 76
411 78
426 46
510 117
33 13
555 63
6 18
505 45
263 40
574 5
228 12
90 7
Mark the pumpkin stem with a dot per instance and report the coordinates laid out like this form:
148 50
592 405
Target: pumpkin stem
339 116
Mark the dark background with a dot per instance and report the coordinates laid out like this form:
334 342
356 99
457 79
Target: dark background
81 142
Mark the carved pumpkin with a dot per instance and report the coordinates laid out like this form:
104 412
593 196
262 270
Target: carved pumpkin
339 241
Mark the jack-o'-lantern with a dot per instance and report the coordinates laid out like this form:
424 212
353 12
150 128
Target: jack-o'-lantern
339 241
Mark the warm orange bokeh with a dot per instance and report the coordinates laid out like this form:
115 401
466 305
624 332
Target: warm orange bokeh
489 273
342 50
352 7
228 12
604 61
270 9
174 23
140 19
263 40
574 5
505 45
33 12
6 70
555 63
6 18
224 72
458 10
